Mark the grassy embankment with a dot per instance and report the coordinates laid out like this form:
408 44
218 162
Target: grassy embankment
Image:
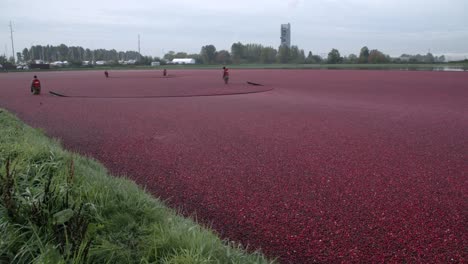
59 207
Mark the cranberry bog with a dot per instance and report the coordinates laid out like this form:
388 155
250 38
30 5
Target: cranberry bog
310 166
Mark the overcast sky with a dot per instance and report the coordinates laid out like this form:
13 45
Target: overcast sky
392 26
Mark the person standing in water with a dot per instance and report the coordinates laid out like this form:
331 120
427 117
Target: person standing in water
35 86
225 75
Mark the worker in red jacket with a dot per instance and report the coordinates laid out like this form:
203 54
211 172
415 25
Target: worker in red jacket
225 75
36 86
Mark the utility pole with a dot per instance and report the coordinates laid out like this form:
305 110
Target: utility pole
12 44
139 54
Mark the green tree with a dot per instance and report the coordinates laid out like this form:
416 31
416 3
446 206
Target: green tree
50 53
334 57
440 58
63 51
268 55
294 54
376 56
301 57
145 60
430 58
308 60
284 54
113 55
37 51
7 63
237 52
81 53
26 56
317 59
132 55
170 55
19 57
252 53
313 59
3 60
223 57
181 55
364 55
352 58
88 55
121 55
98 54
208 54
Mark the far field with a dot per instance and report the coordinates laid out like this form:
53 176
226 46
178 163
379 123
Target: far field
315 166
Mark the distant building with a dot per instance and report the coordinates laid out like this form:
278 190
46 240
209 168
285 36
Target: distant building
405 58
59 63
286 34
125 62
183 61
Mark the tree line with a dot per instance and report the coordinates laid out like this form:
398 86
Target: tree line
75 54
257 53
238 54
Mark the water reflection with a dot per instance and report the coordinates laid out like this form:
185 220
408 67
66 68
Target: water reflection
402 68
445 68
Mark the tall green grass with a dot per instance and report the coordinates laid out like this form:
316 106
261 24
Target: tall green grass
59 207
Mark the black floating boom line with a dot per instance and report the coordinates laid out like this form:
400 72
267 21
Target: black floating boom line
145 77
158 96
57 94
256 84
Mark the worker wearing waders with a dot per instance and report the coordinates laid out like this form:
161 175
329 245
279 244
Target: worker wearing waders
106 74
225 75
164 72
35 86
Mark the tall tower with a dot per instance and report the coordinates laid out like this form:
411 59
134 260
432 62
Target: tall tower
286 34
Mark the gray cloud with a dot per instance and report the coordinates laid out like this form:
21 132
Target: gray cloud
293 3
394 27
